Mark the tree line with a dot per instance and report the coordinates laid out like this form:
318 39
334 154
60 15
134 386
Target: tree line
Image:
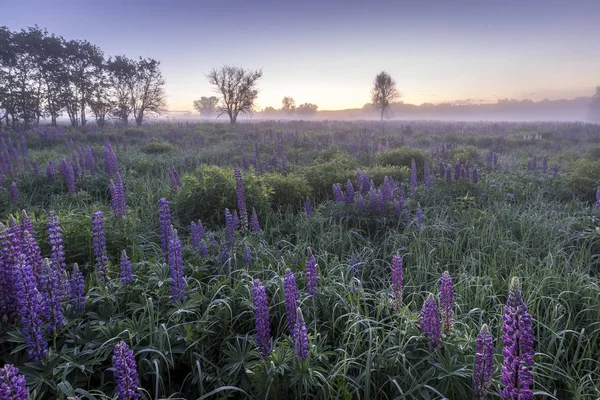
46 76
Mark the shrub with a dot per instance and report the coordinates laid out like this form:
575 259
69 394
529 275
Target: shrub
332 167
157 147
463 154
402 157
291 189
583 179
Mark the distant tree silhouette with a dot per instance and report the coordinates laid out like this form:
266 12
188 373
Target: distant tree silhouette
307 109
288 104
206 106
595 106
384 92
238 89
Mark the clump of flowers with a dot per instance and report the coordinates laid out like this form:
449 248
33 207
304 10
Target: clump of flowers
301 336
77 285
254 224
12 384
291 299
99 241
176 266
117 196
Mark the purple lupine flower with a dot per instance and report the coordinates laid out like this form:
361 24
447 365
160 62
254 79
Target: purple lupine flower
338 196
518 346
254 224
449 174
229 228
174 179
76 170
111 165
202 249
373 200
354 265
447 302
360 203
366 183
247 256
419 215
51 171
484 364
164 215
176 266
77 286
397 280
241 199
90 161
236 220
308 208
99 242
261 315
57 253
349 192
545 165
311 274
555 171
14 192
52 290
125 371
430 322
67 171
31 307
125 266
30 248
117 196
413 176
224 253
7 265
12 384
291 299
475 175
300 336
598 200
195 233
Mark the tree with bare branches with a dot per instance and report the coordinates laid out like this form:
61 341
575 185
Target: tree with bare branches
206 106
384 92
238 89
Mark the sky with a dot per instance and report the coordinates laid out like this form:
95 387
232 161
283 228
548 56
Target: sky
328 52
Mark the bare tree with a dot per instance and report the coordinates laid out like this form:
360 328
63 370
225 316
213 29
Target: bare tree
384 92
238 89
206 106
288 104
147 93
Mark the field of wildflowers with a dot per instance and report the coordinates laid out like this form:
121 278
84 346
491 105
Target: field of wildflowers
326 260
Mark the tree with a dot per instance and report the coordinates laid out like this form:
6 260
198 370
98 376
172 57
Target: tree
384 92
121 71
595 106
147 92
238 90
307 109
288 104
206 106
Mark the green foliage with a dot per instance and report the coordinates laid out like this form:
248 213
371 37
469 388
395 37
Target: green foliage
402 157
291 189
331 167
156 147
584 178
463 154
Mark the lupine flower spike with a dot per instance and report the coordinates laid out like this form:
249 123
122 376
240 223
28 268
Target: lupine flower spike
12 384
447 302
261 315
125 371
518 346
484 364
397 280
300 336
311 274
430 322
291 299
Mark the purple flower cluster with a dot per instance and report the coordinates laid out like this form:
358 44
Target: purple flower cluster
90 161
164 215
67 170
12 384
291 299
117 196
518 346
52 291
447 302
484 364
111 165
197 232
77 285
312 274
300 336
413 176
229 228
51 171
254 224
241 200
261 315
430 322
247 256
125 372
32 309
174 179
99 242
397 280
14 192
308 208
125 267
176 267
57 252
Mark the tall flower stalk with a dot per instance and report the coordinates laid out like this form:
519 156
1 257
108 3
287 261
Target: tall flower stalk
430 322
518 346
12 384
484 364
311 274
99 242
397 280
261 315
300 336
291 300
125 371
176 267
447 302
